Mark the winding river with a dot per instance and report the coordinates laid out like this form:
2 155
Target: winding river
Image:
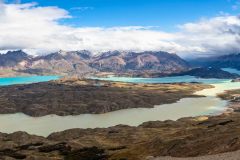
209 105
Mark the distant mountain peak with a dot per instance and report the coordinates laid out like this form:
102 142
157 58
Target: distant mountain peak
14 58
62 52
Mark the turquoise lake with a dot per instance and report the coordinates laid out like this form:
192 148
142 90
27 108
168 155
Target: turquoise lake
176 79
25 80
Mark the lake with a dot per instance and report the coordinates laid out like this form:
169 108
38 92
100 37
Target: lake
24 80
186 107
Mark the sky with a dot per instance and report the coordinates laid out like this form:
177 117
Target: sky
163 13
186 27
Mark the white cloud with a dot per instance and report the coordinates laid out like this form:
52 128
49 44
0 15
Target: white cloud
218 35
36 29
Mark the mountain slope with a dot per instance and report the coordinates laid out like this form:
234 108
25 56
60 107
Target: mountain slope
227 61
158 61
208 72
144 61
67 63
14 59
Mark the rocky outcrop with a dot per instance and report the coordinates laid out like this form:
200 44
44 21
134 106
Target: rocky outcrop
76 96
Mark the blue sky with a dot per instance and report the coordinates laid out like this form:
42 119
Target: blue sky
163 13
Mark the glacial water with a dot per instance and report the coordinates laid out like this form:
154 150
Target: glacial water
186 107
25 80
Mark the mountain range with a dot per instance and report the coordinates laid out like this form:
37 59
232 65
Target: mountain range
143 64
84 62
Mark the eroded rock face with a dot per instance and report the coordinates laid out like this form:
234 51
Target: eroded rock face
76 96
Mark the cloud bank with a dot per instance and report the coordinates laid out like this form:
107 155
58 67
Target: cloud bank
37 30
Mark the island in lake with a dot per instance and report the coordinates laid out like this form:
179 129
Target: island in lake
76 96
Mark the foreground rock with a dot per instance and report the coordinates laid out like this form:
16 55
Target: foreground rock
74 97
187 137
